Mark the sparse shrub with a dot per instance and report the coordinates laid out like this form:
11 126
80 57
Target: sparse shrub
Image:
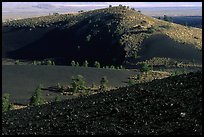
88 38
17 62
37 98
6 105
34 62
93 85
49 62
135 56
139 77
97 64
73 63
112 67
77 64
55 13
57 98
39 62
131 82
53 63
169 19
59 86
145 67
165 26
103 82
85 63
151 29
78 83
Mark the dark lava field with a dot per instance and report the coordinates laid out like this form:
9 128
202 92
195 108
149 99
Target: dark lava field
15 76
170 106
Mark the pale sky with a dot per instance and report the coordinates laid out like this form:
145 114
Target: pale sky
102 4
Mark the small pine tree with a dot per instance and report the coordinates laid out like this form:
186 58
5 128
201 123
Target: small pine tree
145 67
131 82
49 62
37 98
88 38
73 63
77 64
112 67
57 98
34 62
59 86
85 63
53 63
97 64
78 83
17 62
6 105
103 82
139 77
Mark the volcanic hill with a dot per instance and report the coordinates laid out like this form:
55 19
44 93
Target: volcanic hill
116 35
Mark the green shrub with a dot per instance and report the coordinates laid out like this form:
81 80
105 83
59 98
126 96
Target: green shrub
73 63
57 98
139 77
88 38
151 29
17 62
145 67
59 86
53 63
49 62
34 62
85 63
6 105
78 83
97 64
131 82
103 82
77 64
112 67
37 98
135 56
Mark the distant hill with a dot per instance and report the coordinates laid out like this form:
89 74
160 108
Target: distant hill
116 35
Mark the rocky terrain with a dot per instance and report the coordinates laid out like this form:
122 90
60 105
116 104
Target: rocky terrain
170 106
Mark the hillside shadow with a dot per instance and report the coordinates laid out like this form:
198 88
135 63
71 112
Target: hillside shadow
162 46
65 45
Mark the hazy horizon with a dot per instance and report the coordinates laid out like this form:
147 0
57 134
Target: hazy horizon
11 10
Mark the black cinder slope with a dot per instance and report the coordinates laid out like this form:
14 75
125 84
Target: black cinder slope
171 106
